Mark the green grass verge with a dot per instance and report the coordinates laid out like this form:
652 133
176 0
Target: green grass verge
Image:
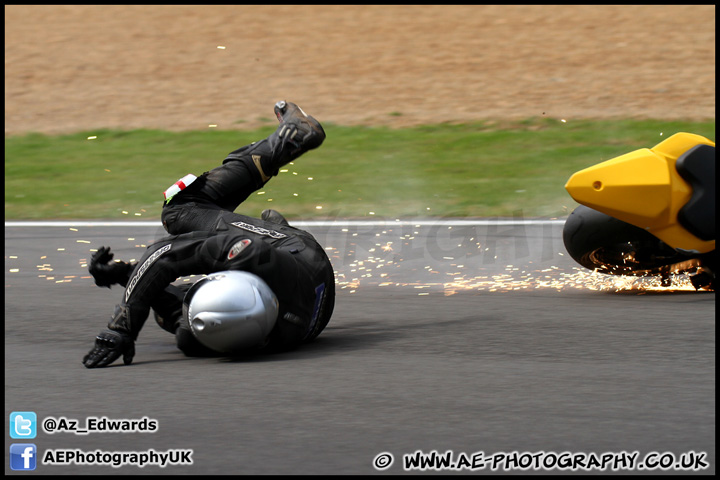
476 170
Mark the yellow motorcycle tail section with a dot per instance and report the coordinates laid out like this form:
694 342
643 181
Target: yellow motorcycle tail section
644 188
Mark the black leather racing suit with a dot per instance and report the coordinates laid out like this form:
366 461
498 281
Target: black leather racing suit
204 230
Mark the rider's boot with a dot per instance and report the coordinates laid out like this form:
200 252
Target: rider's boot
296 134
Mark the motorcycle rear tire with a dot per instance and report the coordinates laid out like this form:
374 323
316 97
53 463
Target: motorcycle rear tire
600 242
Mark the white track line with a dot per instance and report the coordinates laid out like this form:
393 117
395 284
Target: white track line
308 223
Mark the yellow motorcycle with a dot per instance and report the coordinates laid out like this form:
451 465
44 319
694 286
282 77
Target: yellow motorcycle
648 212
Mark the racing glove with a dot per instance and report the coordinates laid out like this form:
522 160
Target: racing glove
108 273
109 346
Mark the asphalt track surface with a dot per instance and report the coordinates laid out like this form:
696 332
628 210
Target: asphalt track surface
445 337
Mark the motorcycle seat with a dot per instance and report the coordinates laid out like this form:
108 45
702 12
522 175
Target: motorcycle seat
697 167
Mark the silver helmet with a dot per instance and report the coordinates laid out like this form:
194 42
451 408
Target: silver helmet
230 311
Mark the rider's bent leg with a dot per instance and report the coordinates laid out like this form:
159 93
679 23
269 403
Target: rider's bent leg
244 171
